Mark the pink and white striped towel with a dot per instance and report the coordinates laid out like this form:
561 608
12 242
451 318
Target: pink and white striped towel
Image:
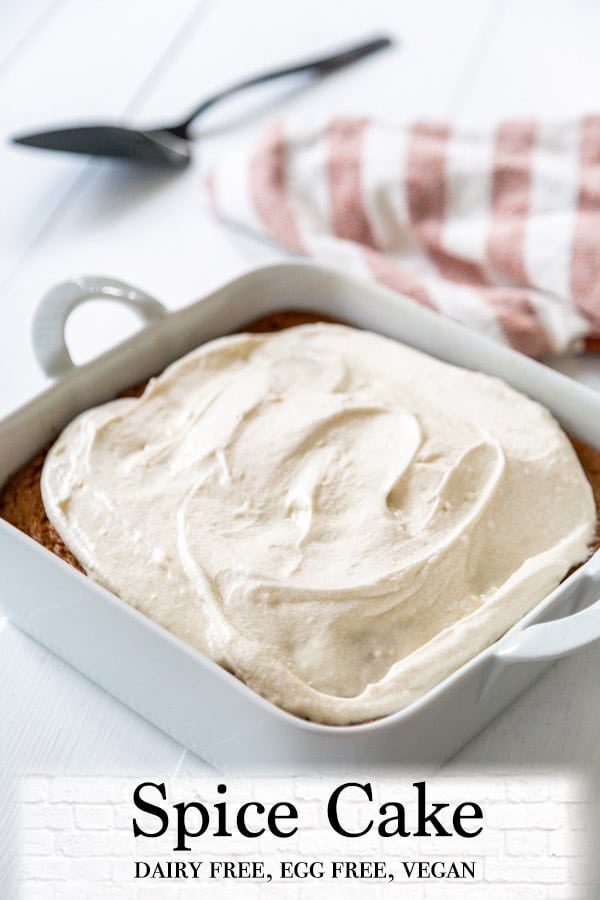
498 228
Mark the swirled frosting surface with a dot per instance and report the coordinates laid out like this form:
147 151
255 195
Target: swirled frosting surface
340 520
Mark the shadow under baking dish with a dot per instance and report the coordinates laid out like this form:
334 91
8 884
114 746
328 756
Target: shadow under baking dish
189 696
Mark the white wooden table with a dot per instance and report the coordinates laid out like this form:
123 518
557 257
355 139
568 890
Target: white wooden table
67 59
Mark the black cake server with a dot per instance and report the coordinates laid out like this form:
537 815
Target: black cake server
172 145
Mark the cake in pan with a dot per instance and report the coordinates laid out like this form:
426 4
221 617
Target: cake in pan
338 519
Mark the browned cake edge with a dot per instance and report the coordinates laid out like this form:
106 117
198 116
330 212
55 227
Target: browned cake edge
21 500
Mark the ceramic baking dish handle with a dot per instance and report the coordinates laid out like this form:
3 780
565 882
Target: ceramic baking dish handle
551 640
50 319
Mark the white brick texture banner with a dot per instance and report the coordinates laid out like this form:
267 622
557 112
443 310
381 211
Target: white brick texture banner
75 838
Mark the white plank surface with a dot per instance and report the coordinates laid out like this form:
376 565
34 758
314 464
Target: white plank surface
541 60
471 59
18 23
57 78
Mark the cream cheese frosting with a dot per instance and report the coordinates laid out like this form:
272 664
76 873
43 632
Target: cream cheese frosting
340 520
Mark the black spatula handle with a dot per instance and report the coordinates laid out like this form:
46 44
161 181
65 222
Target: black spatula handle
323 65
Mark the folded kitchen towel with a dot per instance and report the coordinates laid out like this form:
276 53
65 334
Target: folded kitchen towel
497 227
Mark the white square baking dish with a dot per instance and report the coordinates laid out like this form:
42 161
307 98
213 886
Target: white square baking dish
201 705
